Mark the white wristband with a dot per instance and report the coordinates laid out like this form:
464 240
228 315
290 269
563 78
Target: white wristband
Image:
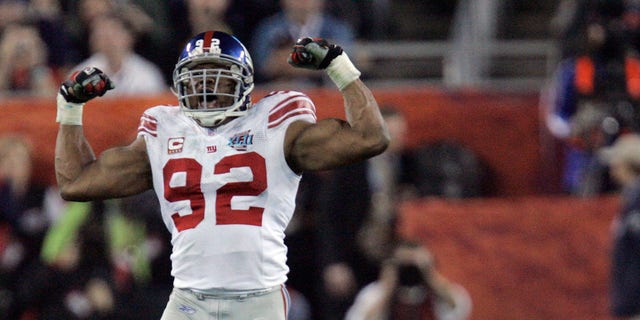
341 71
68 112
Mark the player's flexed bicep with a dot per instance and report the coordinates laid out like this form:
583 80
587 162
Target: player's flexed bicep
326 145
118 172
332 142
315 146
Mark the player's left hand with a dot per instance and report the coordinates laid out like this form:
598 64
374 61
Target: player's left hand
313 53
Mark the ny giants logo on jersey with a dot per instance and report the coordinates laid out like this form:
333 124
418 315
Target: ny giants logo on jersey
174 145
241 140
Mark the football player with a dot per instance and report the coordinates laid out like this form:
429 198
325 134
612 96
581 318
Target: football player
226 169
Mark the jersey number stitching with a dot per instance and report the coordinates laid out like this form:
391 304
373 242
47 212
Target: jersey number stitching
192 191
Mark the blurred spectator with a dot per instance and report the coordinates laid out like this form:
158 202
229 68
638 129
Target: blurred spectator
572 19
564 25
148 23
390 179
121 272
273 37
363 197
371 19
140 252
301 241
12 258
448 168
71 260
410 287
112 44
198 16
25 206
73 280
152 31
593 98
631 23
238 18
247 14
81 14
624 160
12 12
49 18
206 15
25 211
23 63
15 170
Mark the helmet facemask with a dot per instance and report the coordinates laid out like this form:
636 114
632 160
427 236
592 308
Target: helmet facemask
213 87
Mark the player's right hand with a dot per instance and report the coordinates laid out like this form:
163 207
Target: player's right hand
85 85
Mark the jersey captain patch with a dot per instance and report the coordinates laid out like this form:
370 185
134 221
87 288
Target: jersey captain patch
175 145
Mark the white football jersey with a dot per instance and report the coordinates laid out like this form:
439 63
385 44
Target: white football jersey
226 194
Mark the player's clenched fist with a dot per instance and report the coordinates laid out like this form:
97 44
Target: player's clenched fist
313 53
85 85
317 53
81 87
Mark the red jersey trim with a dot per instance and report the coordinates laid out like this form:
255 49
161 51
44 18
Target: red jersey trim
148 124
291 107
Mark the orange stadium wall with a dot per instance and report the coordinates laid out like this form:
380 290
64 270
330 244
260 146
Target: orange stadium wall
524 258
502 128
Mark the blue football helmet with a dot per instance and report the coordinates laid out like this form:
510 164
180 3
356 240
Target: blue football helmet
208 58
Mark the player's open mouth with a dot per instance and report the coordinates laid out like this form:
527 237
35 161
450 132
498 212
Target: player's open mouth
208 101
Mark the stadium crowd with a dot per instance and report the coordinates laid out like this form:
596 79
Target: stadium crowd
44 40
110 259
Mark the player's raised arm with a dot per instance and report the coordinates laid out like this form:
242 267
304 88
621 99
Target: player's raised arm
118 172
334 142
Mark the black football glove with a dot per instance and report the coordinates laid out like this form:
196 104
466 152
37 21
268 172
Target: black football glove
313 53
85 85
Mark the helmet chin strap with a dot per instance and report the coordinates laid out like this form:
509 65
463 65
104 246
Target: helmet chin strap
211 119
207 119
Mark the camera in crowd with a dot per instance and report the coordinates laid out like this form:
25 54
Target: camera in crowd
410 275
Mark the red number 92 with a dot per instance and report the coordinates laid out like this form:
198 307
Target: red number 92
192 191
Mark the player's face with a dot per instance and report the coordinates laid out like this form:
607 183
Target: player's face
212 87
